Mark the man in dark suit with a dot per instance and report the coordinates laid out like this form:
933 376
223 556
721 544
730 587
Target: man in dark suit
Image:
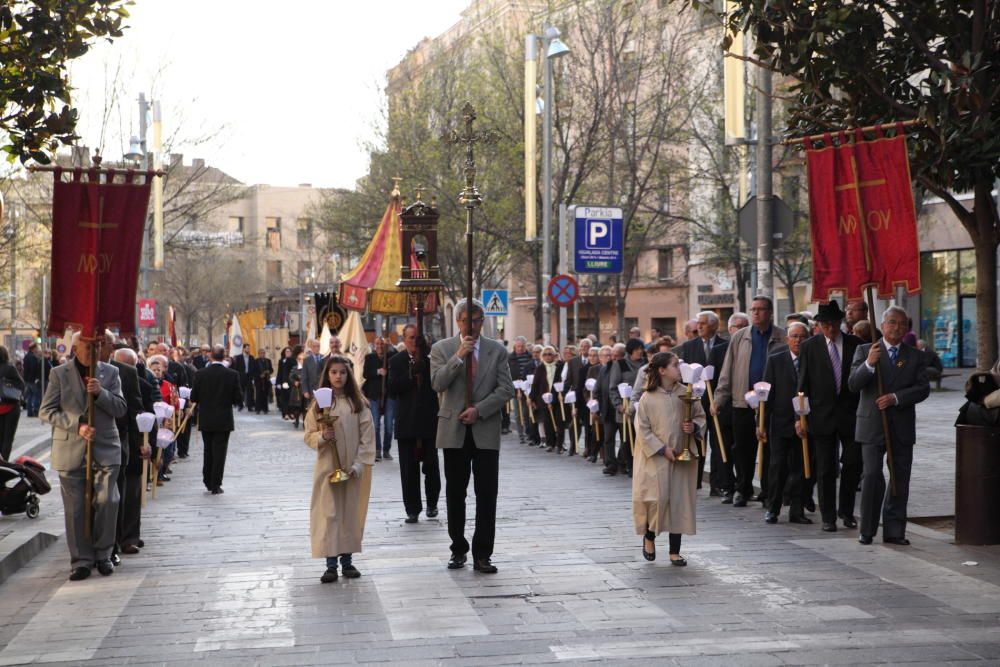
410 387
383 405
200 358
709 349
470 434
33 379
786 473
823 375
216 390
903 371
312 368
246 368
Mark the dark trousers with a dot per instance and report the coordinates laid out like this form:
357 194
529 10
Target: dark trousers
534 435
553 429
744 452
410 468
610 432
131 510
122 484
826 468
8 427
484 466
184 439
721 476
784 477
505 417
873 491
216 445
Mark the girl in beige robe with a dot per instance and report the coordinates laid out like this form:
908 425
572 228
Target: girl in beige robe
338 511
663 489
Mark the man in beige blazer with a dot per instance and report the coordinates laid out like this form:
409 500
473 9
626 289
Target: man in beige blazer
470 435
64 406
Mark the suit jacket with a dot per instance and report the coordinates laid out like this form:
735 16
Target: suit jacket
311 369
693 352
491 391
780 413
603 391
199 361
32 369
734 375
830 412
907 379
416 402
64 406
133 401
372 388
216 390
178 374
247 369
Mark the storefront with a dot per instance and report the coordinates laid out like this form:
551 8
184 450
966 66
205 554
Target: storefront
948 305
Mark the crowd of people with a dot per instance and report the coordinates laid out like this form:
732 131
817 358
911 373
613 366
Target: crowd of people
623 405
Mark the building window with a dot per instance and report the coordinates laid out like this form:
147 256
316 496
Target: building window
304 272
303 233
274 273
666 325
948 305
665 264
273 226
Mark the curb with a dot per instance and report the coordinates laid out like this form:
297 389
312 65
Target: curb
23 546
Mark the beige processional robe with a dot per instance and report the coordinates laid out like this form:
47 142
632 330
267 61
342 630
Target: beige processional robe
337 512
664 491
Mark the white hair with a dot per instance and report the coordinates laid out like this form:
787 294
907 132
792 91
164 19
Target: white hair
712 317
897 310
796 323
158 359
125 355
737 316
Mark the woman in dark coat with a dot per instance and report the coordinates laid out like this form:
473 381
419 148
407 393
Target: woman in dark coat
10 409
286 362
295 405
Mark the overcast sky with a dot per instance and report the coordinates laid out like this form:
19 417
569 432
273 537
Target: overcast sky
295 86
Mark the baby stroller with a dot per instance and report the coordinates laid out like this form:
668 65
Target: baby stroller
29 480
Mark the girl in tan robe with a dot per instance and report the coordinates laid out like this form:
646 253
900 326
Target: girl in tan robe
664 490
337 511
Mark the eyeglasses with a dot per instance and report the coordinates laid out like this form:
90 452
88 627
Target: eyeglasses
474 320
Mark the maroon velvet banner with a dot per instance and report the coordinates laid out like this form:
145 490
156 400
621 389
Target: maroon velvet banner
97 233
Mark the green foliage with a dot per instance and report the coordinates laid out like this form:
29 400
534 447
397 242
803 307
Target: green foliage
37 40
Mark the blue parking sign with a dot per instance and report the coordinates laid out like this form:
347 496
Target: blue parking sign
599 239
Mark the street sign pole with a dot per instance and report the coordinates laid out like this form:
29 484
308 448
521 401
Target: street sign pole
563 268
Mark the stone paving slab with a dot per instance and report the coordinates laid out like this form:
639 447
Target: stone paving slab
228 580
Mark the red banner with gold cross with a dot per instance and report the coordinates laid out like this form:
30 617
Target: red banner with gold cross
97 230
862 217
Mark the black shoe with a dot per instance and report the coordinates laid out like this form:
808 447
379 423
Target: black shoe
810 505
116 560
550 450
432 512
799 519
610 471
770 517
898 541
648 555
387 456
484 566
849 521
378 458
350 571
829 527
504 431
217 491
759 498
457 561
329 576
714 493
727 499
739 500
105 567
130 549
79 573
679 561
865 539
411 518
140 544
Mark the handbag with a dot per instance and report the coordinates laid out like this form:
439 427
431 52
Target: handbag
10 391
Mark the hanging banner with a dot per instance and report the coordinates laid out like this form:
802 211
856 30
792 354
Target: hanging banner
97 233
172 325
147 313
862 218
250 321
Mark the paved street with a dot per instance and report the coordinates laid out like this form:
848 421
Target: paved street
228 579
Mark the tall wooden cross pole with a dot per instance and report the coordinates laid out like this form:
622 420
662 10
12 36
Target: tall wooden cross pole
470 198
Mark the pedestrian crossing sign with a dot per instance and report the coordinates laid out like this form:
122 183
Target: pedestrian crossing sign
497 301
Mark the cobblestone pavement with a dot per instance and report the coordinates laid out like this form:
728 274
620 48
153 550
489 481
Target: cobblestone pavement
228 579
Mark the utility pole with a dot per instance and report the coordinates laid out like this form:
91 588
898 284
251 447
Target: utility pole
563 269
547 200
765 198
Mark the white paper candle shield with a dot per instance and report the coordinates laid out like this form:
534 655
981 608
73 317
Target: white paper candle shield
698 389
145 421
593 405
162 410
762 389
625 390
558 386
185 392
570 397
530 379
802 409
284 385
752 400
547 397
324 397
274 380
708 373
181 402
163 438
590 384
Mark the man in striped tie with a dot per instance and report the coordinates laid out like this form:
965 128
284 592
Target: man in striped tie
824 365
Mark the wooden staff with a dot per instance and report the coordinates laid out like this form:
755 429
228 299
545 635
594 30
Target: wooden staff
552 416
145 469
629 436
187 414
156 470
520 415
877 334
576 432
562 406
806 468
715 420
531 410
760 442
88 492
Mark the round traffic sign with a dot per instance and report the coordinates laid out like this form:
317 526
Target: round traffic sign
563 290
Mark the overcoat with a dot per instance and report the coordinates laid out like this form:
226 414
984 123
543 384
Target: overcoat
338 511
664 491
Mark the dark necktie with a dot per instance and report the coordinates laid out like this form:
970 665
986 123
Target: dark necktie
795 362
892 354
835 362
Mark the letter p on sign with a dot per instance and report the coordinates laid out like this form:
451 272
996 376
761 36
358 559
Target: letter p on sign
599 234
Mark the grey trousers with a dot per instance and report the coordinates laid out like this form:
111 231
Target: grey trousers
83 552
875 499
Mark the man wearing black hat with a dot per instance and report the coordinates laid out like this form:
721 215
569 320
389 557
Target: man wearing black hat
824 369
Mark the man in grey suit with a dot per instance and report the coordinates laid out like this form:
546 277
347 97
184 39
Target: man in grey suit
904 383
312 367
470 434
64 406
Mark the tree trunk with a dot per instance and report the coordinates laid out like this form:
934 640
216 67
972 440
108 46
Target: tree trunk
620 310
985 212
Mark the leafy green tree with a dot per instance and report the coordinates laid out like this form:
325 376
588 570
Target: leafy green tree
863 62
37 40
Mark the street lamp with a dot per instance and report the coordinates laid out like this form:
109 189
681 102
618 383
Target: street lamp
552 47
135 150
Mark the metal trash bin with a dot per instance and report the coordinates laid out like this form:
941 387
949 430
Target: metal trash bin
977 485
